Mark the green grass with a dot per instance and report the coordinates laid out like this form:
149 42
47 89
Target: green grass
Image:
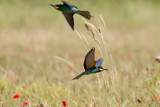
22 14
32 36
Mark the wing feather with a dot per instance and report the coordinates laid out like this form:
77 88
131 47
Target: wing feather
99 62
69 18
89 61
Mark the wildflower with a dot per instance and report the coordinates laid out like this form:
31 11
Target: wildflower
12 80
16 96
64 103
71 67
118 103
25 103
138 100
143 68
156 97
75 56
28 49
129 57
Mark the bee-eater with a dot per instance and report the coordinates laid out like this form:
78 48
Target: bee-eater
90 65
69 10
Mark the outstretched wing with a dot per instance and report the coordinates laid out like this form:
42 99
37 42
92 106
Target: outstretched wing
89 61
69 18
68 4
99 62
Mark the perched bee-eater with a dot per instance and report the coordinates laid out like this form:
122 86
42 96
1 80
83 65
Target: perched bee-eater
90 65
69 10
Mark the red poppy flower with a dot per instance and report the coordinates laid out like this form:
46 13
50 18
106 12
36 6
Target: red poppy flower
156 97
71 67
25 103
28 49
16 96
138 100
64 103
129 57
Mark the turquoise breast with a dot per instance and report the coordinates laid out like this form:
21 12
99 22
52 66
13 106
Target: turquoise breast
66 9
92 71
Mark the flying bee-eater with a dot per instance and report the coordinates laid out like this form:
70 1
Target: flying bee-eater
90 65
69 10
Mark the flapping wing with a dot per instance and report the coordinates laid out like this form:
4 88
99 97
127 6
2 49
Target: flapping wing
89 61
99 62
69 18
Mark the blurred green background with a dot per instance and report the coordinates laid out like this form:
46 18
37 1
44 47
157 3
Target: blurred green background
37 13
32 33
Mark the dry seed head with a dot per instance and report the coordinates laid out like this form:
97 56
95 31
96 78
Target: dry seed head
90 25
63 60
158 59
78 34
102 20
86 26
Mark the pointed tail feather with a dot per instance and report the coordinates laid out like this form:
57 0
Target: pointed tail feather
85 14
80 75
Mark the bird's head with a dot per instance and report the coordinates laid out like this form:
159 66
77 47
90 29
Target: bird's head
55 6
101 68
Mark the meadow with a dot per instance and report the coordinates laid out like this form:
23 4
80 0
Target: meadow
40 54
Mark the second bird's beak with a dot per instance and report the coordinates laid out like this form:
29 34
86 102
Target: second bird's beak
102 69
56 7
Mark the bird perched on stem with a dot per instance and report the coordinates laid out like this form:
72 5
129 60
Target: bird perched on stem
90 65
69 10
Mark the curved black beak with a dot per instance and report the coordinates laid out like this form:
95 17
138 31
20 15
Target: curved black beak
102 69
52 5
105 69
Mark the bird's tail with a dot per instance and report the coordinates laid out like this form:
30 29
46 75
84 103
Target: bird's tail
80 75
85 14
